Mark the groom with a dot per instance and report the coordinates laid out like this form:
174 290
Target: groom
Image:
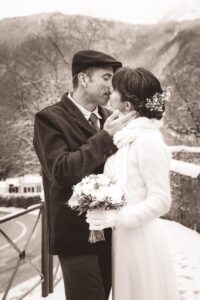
73 138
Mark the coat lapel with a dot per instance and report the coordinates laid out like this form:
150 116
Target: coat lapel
76 114
79 118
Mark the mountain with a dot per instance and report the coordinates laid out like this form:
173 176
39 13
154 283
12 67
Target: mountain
187 10
35 64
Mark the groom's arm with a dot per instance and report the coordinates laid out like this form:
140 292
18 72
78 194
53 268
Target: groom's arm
62 166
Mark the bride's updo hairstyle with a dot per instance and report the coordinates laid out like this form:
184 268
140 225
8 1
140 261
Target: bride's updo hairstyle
140 87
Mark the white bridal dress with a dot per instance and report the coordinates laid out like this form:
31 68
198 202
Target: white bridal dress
142 267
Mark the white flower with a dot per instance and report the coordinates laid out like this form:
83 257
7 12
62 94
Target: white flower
78 189
88 190
103 179
73 202
86 180
158 101
101 193
115 193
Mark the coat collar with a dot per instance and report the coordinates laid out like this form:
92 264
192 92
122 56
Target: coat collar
79 118
84 111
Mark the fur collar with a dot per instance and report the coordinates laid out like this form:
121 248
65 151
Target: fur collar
134 129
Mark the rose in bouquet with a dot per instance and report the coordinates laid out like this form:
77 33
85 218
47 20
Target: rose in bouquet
96 192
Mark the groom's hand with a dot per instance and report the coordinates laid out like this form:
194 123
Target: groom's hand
115 122
101 219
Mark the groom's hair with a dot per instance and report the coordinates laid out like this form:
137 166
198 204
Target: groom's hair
136 86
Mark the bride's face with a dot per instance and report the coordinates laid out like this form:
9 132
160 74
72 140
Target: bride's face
116 102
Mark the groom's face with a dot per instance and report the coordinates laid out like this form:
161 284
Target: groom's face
99 85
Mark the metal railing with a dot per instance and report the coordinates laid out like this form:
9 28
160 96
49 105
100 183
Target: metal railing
46 272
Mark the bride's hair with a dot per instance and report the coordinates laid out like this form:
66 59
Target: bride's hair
139 86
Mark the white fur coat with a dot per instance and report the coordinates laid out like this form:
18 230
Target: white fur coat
141 168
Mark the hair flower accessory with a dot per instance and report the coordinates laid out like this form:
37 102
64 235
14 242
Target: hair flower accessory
158 101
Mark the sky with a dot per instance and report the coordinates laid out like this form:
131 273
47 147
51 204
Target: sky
131 11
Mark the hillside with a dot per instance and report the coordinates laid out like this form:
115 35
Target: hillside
35 62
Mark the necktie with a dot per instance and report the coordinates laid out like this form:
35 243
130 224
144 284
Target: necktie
93 120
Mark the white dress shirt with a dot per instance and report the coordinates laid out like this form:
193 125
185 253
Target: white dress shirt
86 112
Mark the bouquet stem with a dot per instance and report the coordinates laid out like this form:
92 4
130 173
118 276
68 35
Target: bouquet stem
96 236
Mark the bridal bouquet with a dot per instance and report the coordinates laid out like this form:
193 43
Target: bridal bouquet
96 192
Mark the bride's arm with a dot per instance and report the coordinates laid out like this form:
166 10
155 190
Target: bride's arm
154 162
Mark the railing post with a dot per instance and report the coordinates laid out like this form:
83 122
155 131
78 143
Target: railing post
51 275
45 254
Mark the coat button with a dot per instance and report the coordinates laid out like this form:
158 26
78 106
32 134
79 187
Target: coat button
105 156
110 151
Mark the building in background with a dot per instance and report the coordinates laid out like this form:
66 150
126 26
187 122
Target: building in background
26 184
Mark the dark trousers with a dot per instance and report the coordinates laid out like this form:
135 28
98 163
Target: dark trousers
87 277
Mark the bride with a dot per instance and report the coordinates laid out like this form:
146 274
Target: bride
142 267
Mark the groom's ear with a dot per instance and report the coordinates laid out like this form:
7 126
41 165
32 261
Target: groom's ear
83 79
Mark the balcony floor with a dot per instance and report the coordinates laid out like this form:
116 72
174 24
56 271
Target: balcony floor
184 245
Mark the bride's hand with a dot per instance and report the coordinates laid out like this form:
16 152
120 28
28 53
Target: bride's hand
101 219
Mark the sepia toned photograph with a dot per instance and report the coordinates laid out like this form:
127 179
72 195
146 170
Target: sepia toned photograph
100 150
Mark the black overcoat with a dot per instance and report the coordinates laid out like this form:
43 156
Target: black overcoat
69 148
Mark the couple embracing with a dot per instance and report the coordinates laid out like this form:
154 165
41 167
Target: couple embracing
79 136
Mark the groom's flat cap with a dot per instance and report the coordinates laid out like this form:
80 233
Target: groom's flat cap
82 60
